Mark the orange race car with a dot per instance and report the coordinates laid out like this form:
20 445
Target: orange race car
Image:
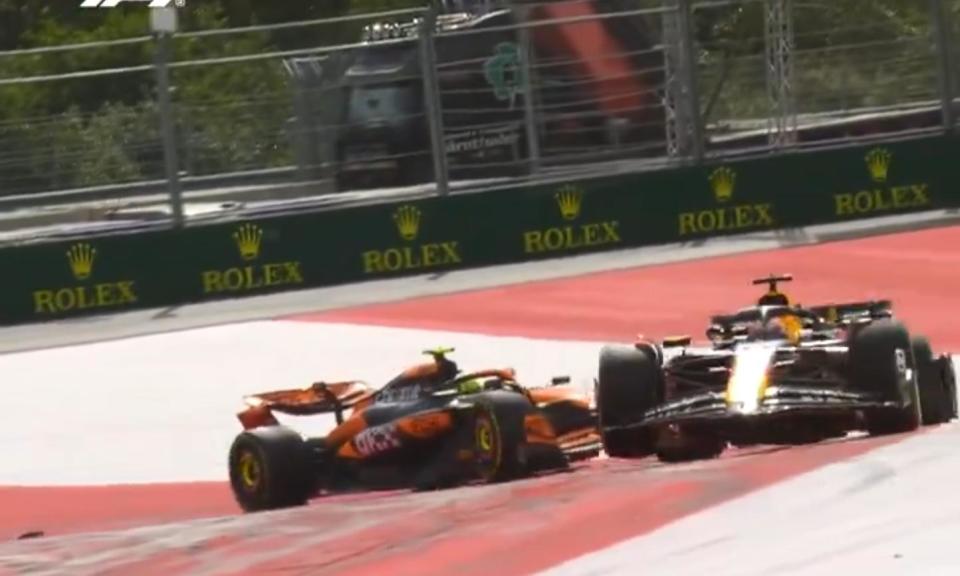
429 427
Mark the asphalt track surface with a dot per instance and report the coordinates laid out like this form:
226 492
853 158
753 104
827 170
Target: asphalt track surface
596 518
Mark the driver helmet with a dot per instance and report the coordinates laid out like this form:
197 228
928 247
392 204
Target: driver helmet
471 386
780 328
774 298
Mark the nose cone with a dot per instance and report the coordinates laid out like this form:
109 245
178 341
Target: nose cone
750 376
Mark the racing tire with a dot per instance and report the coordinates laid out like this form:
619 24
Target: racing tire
270 469
630 383
935 403
700 449
882 362
949 377
497 435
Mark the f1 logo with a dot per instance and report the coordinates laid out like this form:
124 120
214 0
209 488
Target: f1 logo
114 3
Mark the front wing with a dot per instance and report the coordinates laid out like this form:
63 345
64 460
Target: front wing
779 402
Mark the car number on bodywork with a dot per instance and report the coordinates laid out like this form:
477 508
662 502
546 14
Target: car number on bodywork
901 359
377 439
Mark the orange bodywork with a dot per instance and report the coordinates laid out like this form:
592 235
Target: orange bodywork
355 438
316 399
426 425
582 438
350 428
571 440
425 370
256 416
539 429
544 396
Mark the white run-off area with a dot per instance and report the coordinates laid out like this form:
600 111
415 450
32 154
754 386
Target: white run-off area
162 408
892 511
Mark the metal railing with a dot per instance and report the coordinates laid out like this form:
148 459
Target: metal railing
417 102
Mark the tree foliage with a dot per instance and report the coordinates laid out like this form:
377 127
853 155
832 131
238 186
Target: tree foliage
847 54
104 129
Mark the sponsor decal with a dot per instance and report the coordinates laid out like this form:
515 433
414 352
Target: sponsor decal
407 393
480 140
86 293
880 196
901 360
573 235
411 255
377 439
504 72
252 274
726 217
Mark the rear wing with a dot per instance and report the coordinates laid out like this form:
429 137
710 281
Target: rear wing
319 398
848 312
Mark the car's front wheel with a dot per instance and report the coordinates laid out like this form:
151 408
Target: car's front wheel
629 383
882 362
935 401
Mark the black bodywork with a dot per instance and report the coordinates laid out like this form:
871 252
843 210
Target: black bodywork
809 394
817 373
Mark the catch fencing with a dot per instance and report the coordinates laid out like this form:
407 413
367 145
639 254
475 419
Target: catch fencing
423 102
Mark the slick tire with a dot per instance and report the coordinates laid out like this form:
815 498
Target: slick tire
949 376
699 449
629 383
270 469
935 402
881 358
498 436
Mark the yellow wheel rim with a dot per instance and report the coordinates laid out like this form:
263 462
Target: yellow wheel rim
249 471
487 447
485 437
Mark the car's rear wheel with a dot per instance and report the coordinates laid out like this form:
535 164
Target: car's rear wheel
935 402
629 383
270 468
882 362
950 384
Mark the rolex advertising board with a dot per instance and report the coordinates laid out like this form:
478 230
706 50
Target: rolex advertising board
885 179
250 258
416 237
725 200
85 276
572 218
94 275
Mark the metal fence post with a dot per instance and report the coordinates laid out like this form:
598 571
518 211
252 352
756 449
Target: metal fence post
692 100
163 21
677 121
779 40
431 96
944 48
529 114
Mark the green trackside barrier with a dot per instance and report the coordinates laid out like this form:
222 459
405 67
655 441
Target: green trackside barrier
157 269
